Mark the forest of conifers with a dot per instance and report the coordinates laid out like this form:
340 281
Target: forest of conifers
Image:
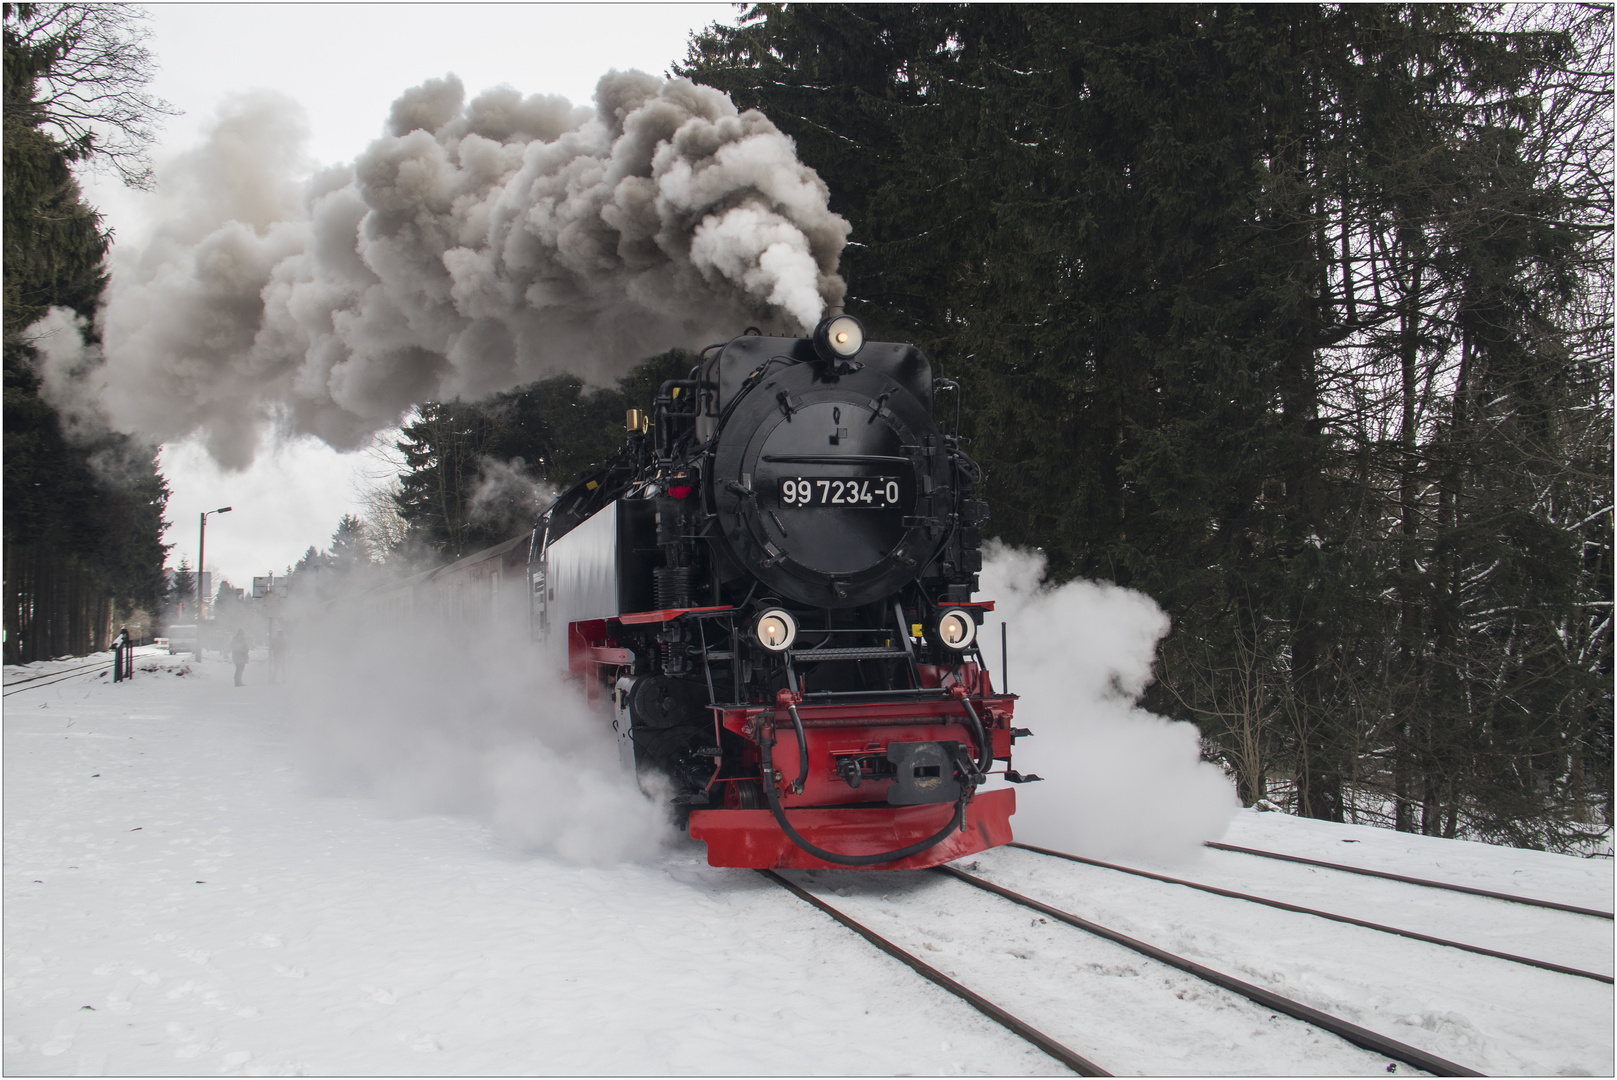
1296 318
83 517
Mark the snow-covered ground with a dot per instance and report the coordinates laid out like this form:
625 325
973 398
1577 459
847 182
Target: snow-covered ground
181 898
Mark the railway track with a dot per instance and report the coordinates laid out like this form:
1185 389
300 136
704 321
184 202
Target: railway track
1449 885
52 678
1070 1058
1299 909
39 682
1357 1036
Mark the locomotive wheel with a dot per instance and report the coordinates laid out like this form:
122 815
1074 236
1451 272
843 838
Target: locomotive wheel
662 703
751 795
673 753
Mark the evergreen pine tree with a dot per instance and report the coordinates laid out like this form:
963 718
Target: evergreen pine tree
1202 272
555 427
183 592
83 519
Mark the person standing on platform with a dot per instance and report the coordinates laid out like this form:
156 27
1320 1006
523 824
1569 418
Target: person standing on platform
238 653
119 645
277 655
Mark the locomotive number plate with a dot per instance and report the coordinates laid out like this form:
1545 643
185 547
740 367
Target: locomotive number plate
877 492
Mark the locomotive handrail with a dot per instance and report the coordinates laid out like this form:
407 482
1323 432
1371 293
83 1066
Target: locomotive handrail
664 400
682 384
918 692
909 646
836 459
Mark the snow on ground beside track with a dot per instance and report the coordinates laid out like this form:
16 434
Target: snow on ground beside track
1493 1015
19 673
177 902
180 899
1535 874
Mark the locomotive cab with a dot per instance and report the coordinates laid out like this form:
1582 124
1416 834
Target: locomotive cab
770 592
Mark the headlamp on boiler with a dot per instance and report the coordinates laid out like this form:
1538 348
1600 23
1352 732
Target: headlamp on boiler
956 630
839 338
775 630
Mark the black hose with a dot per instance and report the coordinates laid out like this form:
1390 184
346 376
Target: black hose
985 749
802 751
747 384
958 821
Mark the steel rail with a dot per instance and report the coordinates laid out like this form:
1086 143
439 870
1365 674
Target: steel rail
60 671
1530 901
55 678
1363 1038
1076 1062
69 671
1283 906
34 682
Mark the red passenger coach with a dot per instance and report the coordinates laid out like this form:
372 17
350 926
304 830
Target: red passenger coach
770 594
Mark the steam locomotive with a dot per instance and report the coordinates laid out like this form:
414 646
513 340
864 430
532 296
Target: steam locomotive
770 593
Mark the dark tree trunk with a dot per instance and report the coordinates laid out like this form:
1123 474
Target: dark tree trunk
1410 741
53 606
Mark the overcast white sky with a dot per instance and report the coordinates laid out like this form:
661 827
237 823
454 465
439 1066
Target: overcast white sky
346 63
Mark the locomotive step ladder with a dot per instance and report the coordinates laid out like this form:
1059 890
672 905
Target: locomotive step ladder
874 652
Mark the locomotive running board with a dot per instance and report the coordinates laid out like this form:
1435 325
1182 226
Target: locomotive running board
753 839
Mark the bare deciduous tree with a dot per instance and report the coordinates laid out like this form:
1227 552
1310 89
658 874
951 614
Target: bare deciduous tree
90 68
378 491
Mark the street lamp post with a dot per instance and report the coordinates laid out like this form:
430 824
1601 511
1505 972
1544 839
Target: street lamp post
202 551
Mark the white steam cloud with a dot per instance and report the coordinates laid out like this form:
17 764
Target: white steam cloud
474 247
70 371
1118 781
485 728
470 725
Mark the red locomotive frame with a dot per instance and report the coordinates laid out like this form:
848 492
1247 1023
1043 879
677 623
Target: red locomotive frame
827 812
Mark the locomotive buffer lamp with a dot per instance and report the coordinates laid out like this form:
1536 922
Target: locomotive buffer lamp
956 630
776 630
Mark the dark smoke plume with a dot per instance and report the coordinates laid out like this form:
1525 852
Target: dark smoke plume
474 247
